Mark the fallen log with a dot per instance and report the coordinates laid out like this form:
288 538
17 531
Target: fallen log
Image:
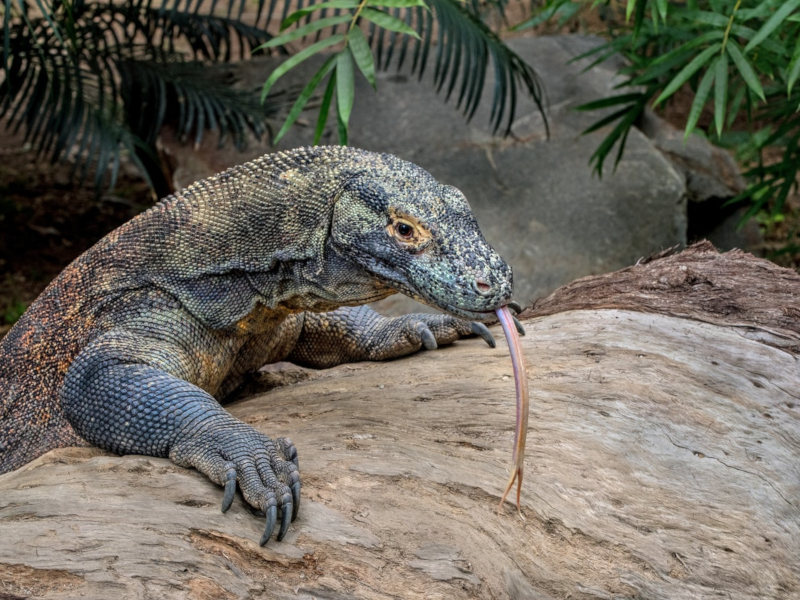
662 463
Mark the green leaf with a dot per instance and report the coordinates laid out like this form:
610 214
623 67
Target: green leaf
668 62
687 71
735 104
629 9
296 59
720 91
661 5
610 101
299 14
745 70
760 12
710 18
746 33
618 134
362 54
793 71
345 89
543 15
699 101
607 120
381 19
324 108
303 31
785 9
342 128
397 3
304 97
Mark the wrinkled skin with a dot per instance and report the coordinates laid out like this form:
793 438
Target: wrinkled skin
135 344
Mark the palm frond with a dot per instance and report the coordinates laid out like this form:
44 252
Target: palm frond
196 97
464 50
106 82
93 79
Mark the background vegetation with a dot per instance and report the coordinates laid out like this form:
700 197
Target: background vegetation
90 80
738 60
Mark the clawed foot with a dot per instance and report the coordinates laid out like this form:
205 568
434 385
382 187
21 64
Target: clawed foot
433 331
267 496
266 471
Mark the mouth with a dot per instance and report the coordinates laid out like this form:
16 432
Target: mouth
471 315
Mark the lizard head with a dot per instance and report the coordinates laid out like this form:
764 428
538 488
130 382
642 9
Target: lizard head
420 238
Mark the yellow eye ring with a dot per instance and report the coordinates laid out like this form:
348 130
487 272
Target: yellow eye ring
407 230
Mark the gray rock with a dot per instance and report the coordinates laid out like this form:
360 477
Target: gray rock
712 178
710 172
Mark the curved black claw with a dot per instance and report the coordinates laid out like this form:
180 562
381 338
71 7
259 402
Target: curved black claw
295 499
230 487
518 325
483 331
286 518
428 339
515 306
272 517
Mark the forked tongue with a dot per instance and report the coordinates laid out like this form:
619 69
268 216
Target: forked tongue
521 385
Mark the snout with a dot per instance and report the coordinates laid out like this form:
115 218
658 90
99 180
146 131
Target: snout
488 291
473 294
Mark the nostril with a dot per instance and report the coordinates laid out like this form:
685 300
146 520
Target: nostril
482 286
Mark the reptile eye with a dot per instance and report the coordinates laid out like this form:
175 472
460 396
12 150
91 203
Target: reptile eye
404 230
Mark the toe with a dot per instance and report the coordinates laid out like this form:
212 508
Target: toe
288 450
295 499
518 325
230 486
272 516
425 335
481 330
286 514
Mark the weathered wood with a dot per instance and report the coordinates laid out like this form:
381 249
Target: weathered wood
662 462
733 289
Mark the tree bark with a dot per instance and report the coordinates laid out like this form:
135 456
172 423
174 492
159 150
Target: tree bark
662 462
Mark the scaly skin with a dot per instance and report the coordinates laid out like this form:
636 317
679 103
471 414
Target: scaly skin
134 344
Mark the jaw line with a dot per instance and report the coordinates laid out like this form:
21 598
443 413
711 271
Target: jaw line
483 316
472 315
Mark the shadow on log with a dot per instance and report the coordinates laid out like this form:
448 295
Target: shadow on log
662 463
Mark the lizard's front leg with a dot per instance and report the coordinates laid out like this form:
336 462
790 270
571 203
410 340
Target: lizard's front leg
357 333
126 393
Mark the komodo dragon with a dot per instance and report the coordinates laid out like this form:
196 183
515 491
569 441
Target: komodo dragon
132 346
